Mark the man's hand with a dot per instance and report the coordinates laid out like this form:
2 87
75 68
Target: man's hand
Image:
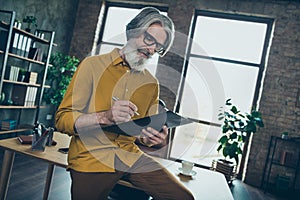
121 111
152 137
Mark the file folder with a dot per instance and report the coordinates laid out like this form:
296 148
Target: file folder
134 127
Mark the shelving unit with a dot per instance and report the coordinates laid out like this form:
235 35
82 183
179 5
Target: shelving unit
282 165
28 53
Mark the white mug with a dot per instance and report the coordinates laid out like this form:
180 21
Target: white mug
187 167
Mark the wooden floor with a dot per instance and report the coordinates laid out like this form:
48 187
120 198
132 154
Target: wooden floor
28 177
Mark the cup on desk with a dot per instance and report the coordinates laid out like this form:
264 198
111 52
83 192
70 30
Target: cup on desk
186 167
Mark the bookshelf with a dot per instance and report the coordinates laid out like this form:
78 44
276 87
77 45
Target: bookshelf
24 61
282 166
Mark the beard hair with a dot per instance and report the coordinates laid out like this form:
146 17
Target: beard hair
135 62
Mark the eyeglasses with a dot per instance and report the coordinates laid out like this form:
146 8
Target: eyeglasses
149 40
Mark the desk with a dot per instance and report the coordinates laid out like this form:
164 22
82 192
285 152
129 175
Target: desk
205 184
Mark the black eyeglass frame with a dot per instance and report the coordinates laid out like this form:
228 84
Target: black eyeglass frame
149 40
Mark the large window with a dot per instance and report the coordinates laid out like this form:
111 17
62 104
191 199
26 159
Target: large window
113 19
226 59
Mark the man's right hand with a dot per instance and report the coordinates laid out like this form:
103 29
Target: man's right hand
121 111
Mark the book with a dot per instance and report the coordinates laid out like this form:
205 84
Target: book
8 124
134 127
30 77
33 53
14 73
39 56
27 139
27 47
31 100
30 96
20 44
23 46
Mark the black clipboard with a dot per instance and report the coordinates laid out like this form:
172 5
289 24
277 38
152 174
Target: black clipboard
134 127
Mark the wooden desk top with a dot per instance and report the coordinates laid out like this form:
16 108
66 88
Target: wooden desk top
50 154
205 184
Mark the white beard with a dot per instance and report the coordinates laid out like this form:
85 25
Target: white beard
135 61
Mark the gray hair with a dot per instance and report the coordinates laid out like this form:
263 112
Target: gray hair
148 16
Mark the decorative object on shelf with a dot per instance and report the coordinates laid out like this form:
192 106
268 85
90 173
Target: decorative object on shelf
8 102
60 75
21 75
30 20
285 135
236 128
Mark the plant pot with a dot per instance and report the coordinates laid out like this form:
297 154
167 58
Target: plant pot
225 167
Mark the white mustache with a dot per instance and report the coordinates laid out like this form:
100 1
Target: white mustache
147 53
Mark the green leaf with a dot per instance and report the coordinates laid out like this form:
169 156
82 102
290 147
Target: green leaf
250 128
228 103
225 129
223 139
234 109
239 151
241 123
241 115
259 122
226 151
220 147
244 138
233 136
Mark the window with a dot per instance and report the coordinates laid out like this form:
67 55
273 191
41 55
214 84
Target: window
226 59
112 28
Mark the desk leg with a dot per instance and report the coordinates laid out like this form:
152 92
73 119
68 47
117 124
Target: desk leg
7 165
48 180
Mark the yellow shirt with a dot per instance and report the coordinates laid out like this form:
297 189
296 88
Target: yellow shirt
96 81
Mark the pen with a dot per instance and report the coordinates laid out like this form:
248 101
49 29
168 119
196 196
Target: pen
116 99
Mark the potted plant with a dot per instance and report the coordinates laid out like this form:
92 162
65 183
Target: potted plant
59 75
236 128
30 20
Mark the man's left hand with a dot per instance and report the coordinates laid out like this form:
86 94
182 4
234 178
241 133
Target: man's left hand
151 137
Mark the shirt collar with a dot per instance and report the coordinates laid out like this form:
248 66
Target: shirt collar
117 59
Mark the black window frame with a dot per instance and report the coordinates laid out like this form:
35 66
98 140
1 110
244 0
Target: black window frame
261 66
106 5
